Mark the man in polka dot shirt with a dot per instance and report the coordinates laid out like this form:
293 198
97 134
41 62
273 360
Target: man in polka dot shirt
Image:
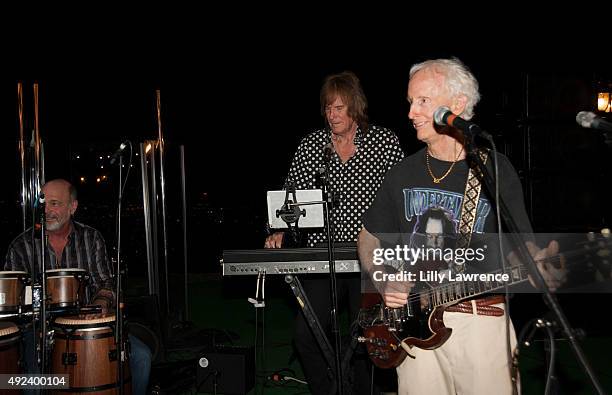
357 156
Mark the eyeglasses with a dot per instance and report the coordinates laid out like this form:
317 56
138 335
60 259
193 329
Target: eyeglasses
435 238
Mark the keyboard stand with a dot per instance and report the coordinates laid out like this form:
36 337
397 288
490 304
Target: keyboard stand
317 331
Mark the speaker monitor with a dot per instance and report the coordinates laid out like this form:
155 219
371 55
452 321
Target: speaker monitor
231 368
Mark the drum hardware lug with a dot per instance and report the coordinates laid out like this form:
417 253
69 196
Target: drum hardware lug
69 358
127 346
51 338
36 297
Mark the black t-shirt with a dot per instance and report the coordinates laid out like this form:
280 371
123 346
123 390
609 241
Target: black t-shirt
409 203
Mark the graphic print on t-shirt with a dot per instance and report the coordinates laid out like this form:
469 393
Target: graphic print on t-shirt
434 228
417 201
434 216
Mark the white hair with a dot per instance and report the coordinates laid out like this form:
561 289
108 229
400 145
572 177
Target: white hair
459 80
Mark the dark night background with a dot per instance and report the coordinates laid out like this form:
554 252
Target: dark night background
240 98
240 106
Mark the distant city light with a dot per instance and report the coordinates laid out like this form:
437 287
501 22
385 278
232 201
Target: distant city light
78 156
136 153
104 177
107 156
100 157
82 179
101 167
98 179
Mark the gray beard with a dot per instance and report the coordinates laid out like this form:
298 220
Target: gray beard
54 226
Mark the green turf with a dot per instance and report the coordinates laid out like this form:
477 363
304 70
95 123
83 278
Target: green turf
221 303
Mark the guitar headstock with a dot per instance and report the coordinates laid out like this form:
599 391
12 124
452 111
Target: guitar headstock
601 242
599 248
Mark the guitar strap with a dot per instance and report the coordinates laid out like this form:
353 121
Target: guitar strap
470 203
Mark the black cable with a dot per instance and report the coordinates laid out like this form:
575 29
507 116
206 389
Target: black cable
503 262
263 333
372 380
215 374
551 356
534 325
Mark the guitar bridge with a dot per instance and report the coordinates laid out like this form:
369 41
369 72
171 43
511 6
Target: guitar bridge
377 341
396 317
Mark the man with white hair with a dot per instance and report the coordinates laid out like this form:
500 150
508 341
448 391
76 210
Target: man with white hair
475 358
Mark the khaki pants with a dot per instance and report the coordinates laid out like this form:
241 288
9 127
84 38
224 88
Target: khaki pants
472 361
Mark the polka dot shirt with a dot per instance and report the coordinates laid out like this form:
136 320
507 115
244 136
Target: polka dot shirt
354 182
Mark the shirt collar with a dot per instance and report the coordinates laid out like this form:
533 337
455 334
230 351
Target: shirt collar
358 139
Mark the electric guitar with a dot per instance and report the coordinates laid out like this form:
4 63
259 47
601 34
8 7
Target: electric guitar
390 333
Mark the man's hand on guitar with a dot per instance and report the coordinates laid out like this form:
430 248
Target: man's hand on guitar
395 294
395 299
550 263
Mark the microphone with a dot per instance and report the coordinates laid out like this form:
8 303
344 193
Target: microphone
587 119
328 150
443 116
40 200
118 152
322 171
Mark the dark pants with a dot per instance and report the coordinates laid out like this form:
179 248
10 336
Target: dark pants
318 374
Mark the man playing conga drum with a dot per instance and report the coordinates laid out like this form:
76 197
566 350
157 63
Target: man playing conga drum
73 245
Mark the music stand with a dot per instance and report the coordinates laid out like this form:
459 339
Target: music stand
287 209
282 206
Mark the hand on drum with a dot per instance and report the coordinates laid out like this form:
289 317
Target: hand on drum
103 305
103 299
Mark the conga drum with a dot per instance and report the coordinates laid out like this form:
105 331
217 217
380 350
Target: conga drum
10 337
66 287
84 348
12 286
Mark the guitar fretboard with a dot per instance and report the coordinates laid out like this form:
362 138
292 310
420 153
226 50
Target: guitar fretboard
466 285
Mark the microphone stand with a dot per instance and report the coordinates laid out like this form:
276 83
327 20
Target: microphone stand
328 201
119 313
526 257
290 212
39 289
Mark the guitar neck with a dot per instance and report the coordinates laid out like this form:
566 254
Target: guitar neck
471 285
467 285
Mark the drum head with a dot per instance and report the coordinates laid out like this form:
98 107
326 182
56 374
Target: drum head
7 329
81 321
13 275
